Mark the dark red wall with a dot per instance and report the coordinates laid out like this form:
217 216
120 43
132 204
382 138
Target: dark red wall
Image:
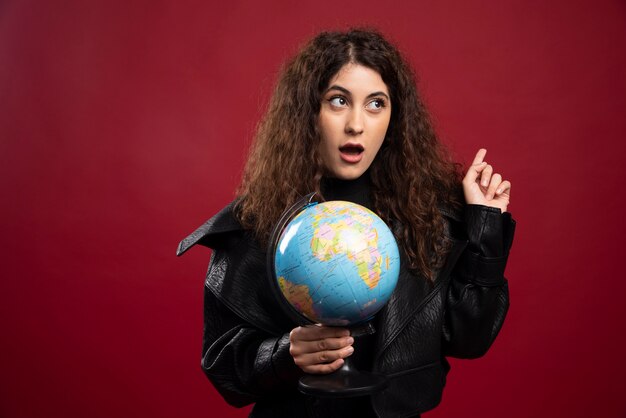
124 125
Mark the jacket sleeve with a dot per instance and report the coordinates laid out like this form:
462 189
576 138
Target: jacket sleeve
478 295
244 363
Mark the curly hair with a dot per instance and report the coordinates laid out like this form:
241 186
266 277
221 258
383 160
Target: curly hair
412 175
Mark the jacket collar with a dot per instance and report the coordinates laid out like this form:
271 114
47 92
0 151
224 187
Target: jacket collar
209 232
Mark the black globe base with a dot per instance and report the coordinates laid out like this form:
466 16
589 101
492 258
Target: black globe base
343 383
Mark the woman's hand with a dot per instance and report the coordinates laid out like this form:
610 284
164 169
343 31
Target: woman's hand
482 186
317 349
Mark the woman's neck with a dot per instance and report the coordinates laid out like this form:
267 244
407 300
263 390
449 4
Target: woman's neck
356 191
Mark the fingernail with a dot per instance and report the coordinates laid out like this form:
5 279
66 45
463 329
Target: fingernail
350 350
350 340
485 183
499 191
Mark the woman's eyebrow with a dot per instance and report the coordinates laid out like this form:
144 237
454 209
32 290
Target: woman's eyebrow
341 89
347 92
377 93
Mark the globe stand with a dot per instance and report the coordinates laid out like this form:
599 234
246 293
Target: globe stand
347 381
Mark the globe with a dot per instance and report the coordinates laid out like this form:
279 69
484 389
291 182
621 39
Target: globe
336 263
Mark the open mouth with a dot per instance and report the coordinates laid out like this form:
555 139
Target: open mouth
351 153
351 149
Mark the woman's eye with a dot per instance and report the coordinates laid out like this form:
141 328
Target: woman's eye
338 101
376 104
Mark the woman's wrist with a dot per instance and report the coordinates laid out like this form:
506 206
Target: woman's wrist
487 229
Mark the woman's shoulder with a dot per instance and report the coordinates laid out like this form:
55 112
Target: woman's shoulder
451 213
453 217
453 205
216 232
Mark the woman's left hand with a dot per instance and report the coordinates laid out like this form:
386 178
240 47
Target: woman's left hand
482 186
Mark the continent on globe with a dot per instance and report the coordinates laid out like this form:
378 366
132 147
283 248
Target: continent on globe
346 237
298 295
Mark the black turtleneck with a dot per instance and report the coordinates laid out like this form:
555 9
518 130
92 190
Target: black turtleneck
355 191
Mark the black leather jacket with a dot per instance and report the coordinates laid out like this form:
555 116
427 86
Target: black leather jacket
246 335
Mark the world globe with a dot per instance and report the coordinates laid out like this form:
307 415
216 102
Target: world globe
335 263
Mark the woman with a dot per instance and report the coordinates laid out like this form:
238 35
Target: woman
345 121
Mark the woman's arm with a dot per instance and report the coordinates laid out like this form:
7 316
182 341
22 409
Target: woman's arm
244 363
478 296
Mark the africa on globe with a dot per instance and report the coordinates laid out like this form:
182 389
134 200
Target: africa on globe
336 263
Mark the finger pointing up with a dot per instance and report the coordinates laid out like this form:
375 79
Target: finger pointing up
477 166
480 156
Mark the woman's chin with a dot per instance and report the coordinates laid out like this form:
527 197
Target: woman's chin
348 173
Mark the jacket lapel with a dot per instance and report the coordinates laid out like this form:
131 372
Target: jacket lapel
210 232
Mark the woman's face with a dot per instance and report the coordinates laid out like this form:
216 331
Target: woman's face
353 120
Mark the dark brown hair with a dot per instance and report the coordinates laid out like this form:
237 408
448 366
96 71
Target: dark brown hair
412 177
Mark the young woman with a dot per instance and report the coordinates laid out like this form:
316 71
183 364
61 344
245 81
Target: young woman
346 121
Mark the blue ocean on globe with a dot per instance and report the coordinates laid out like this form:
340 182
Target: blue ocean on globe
337 263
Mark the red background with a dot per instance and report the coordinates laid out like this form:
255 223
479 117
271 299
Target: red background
124 125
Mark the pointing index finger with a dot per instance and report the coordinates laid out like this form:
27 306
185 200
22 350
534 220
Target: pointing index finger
480 156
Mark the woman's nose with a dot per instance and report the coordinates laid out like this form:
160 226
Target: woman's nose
354 123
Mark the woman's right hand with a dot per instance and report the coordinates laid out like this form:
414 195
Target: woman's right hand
317 349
